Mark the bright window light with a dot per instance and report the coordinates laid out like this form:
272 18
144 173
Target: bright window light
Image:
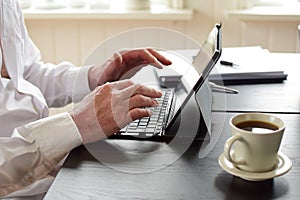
277 2
114 5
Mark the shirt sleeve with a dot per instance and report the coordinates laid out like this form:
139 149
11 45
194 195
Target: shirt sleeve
34 150
60 83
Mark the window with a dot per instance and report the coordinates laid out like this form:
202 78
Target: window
275 10
275 2
245 4
101 4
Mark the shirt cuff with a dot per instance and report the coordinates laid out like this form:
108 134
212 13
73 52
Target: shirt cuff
78 80
55 136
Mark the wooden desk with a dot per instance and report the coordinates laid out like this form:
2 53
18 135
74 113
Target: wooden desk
189 177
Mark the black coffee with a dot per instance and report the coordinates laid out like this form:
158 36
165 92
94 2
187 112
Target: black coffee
257 126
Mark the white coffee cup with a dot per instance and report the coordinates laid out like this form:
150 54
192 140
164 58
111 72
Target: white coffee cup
254 149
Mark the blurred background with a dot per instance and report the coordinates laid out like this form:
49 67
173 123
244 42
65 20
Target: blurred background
70 29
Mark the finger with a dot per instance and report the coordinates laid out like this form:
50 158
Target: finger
117 58
162 59
147 91
149 58
122 84
141 89
138 113
142 57
139 101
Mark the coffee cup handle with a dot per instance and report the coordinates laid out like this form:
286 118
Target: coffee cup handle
227 150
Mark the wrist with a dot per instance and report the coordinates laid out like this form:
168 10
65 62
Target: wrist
92 78
87 126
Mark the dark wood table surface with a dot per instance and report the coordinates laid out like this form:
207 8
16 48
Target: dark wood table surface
191 177
272 98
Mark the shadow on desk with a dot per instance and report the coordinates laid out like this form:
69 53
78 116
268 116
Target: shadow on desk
237 188
142 156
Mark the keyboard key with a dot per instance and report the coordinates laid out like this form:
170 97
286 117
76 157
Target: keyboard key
149 126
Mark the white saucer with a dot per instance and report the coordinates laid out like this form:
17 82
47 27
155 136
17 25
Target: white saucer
284 164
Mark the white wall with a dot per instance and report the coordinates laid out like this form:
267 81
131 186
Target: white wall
72 40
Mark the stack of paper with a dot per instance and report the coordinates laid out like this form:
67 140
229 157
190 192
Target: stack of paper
250 65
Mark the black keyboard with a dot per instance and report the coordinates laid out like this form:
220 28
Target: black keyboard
154 125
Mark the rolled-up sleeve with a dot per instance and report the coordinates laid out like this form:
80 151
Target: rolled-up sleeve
34 150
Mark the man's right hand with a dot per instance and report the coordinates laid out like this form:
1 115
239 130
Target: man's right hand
112 106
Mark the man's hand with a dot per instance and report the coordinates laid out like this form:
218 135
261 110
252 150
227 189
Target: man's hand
112 106
124 64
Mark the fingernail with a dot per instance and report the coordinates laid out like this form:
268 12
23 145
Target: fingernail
159 92
155 103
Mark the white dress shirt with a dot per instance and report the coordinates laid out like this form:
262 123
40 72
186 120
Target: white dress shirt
31 143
